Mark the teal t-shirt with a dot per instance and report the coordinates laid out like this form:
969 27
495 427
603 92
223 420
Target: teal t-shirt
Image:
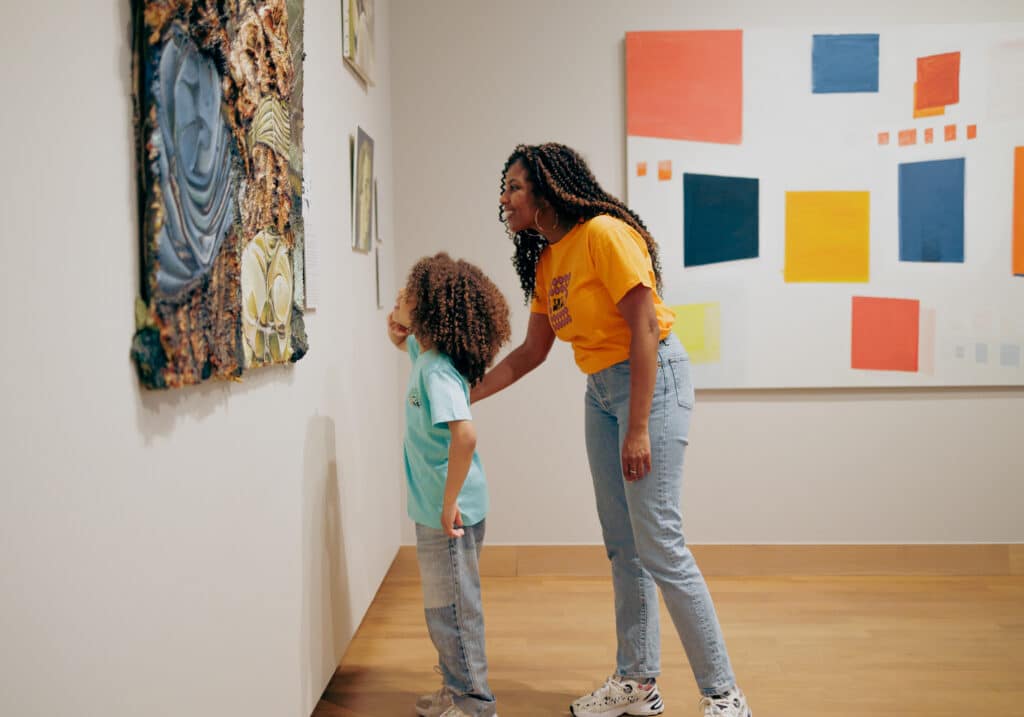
437 394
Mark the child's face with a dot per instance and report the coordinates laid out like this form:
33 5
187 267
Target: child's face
404 305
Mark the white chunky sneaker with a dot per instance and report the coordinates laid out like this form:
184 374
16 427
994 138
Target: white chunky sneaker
731 703
619 696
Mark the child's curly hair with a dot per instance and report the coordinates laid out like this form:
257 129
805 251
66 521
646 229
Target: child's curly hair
460 311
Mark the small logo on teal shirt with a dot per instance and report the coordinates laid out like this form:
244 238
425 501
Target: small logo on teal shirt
414 399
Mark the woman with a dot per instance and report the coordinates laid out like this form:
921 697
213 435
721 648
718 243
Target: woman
591 269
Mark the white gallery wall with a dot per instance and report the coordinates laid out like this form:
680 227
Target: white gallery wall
207 551
472 79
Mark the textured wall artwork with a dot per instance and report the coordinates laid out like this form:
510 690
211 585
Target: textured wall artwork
841 209
219 139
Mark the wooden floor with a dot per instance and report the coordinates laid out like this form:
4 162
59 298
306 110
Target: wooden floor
850 646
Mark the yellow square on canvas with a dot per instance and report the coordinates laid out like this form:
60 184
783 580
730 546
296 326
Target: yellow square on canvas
699 328
827 236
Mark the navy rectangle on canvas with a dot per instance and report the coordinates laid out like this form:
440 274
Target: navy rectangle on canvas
844 63
720 219
931 203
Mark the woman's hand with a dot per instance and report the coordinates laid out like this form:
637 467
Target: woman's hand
636 454
451 521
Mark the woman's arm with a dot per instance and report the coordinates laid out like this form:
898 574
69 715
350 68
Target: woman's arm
460 456
527 356
637 308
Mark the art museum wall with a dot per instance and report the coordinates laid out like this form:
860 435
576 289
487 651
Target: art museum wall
203 551
470 81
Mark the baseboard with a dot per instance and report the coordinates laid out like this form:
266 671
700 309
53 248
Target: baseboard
754 560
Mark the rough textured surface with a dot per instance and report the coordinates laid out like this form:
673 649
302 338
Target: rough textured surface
211 182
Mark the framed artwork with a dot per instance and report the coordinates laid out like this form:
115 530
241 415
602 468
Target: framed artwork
218 99
358 39
845 210
376 210
362 190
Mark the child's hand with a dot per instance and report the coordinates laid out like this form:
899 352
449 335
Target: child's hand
451 521
396 332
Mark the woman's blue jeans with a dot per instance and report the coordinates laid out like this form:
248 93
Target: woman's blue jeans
643 526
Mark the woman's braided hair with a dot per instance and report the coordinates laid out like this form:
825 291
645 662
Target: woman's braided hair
561 176
459 311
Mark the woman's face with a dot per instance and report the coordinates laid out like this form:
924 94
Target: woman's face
518 204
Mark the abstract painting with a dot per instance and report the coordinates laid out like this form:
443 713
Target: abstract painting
218 99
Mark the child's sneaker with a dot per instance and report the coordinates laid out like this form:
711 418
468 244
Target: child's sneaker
618 696
434 704
730 703
454 711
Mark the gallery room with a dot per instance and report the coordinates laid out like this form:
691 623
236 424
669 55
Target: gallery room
568 357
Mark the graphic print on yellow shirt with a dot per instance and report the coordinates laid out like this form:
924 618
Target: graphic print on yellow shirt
559 316
580 281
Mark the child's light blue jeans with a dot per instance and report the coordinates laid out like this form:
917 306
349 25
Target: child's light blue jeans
643 526
450 574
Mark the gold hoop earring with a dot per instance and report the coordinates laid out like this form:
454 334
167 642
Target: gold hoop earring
536 222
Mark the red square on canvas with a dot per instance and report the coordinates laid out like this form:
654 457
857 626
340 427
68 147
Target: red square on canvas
950 132
883 138
685 84
885 334
972 131
938 81
907 137
929 135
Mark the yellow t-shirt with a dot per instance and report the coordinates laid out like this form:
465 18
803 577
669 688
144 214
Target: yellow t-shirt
582 278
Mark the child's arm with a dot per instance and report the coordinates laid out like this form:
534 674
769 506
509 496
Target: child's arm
460 457
396 332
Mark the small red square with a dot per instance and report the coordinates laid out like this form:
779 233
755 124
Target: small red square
929 135
950 132
883 138
972 131
885 334
907 136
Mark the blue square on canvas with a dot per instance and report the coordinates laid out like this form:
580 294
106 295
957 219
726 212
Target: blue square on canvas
931 208
844 63
720 219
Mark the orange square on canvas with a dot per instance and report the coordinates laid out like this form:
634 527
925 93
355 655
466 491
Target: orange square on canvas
883 138
908 136
885 334
938 81
664 170
950 132
928 112
641 169
972 131
929 135
685 84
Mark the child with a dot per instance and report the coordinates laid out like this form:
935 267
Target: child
452 320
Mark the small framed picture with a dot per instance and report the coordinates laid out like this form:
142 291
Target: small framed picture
357 37
376 210
362 190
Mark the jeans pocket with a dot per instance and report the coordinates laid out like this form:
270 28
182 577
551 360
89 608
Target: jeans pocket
679 368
